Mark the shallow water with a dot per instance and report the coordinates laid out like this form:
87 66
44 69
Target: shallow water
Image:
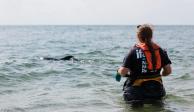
29 84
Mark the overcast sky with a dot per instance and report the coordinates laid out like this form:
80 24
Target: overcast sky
88 12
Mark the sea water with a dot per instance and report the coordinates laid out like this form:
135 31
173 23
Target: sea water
30 84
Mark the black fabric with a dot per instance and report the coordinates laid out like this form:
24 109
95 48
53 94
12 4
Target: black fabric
164 58
133 93
135 65
148 90
129 59
152 89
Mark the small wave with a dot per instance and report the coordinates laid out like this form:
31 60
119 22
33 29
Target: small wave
89 29
99 103
45 107
190 95
7 80
12 110
75 69
83 85
176 98
97 52
186 76
29 65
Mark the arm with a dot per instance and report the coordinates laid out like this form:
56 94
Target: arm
123 71
166 70
127 63
166 63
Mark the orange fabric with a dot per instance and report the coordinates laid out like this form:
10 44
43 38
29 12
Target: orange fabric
147 53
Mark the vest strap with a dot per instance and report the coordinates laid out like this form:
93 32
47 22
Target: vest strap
138 82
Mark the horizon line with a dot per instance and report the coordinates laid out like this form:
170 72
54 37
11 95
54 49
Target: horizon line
93 24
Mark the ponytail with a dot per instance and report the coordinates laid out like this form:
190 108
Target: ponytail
145 35
153 56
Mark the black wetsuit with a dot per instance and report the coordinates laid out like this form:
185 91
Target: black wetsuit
150 89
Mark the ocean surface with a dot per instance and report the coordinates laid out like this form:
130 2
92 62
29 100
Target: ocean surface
30 84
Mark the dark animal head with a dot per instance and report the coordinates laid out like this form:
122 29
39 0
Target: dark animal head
67 58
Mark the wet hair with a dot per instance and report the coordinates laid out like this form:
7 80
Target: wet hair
145 33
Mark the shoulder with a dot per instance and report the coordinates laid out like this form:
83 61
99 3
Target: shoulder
129 57
164 56
131 52
133 49
163 51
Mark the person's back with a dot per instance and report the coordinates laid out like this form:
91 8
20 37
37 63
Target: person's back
145 62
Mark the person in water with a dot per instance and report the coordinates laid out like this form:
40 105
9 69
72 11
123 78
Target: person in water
144 63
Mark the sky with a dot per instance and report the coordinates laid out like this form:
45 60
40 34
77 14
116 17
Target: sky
96 12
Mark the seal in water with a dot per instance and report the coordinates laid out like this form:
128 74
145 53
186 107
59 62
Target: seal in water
66 58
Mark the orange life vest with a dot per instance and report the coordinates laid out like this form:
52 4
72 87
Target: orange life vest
148 56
